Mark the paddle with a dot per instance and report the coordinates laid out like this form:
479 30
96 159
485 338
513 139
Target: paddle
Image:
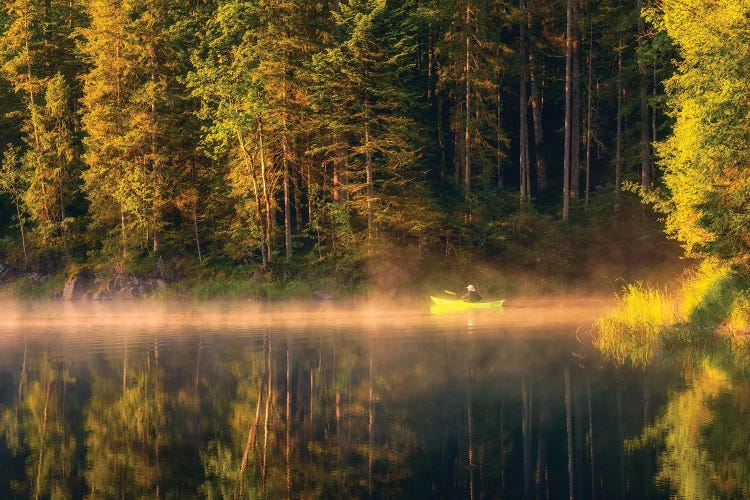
449 292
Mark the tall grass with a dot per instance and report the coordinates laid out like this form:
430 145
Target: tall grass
713 298
632 331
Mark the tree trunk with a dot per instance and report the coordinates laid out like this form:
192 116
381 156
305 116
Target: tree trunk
522 106
265 192
23 232
154 207
287 198
568 90
618 140
259 212
499 125
467 136
368 173
643 87
588 116
575 137
195 230
536 112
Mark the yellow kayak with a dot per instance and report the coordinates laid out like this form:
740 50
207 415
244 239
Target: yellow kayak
440 304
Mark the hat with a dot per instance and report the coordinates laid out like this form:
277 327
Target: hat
470 288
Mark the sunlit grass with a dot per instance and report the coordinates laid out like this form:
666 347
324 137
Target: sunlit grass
711 299
631 332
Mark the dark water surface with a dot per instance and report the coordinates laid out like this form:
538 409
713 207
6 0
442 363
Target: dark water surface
232 401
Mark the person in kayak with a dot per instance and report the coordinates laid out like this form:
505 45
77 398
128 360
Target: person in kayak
471 295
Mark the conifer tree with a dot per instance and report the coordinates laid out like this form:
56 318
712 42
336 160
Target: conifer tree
231 106
51 165
363 93
133 108
38 35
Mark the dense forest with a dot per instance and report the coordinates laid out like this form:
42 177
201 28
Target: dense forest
280 136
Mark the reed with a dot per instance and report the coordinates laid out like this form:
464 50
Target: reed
632 331
711 299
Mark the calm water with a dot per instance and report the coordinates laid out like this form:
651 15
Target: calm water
117 401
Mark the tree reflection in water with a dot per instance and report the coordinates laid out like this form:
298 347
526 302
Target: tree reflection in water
703 431
361 414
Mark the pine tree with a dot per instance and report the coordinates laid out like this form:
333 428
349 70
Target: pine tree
231 106
133 108
38 35
51 165
363 94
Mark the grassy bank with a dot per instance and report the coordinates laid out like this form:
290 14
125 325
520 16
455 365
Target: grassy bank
710 299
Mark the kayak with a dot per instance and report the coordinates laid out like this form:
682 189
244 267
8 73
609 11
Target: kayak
440 304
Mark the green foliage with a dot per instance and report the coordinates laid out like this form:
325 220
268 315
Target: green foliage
705 159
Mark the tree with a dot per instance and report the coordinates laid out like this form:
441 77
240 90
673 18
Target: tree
52 165
37 34
362 94
568 95
133 116
705 159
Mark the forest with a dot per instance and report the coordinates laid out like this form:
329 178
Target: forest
351 142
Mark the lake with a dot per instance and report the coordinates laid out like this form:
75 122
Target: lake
323 401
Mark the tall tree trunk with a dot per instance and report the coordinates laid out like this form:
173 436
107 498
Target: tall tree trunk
575 137
287 197
536 112
266 197
499 127
522 106
248 160
568 90
643 87
23 231
653 120
467 132
618 139
29 76
195 231
368 173
589 114
152 118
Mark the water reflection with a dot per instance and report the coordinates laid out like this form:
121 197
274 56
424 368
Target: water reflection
363 410
703 432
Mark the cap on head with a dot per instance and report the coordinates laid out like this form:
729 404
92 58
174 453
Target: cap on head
471 288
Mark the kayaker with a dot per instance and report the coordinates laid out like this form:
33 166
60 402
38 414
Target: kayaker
471 294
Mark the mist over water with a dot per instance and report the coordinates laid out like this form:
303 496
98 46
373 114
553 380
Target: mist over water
322 400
